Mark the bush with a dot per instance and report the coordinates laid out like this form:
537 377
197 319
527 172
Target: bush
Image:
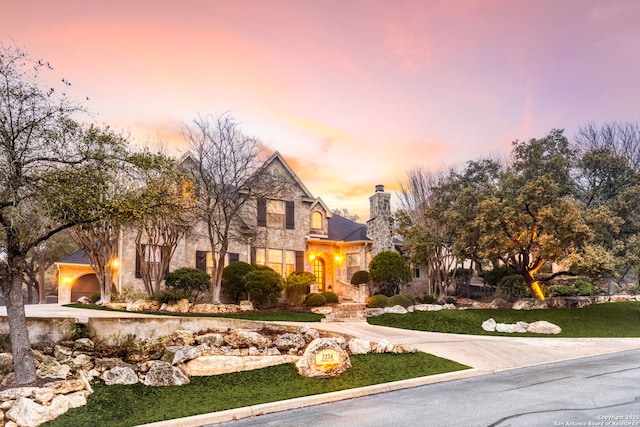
402 300
494 276
565 290
191 281
297 286
315 300
171 296
331 297
389 272
264 286
95 297
586 288
377 301
511 287
427 299
450 300
360 277
233 279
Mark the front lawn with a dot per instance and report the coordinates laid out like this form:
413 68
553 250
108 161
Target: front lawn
620 319
257 315
139 404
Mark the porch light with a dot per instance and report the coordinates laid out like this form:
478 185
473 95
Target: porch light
115 263
312 256
66 280
338 259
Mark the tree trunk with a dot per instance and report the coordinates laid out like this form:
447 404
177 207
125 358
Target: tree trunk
42 298
23 363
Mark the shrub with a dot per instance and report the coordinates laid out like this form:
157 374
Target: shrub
264 286
171 296
233 279
586 288
331 297
427 299
315 300
377 301
399 300
359 277
493 277
95 297
450 300
389 272
297 286
190 281
564 290
511 287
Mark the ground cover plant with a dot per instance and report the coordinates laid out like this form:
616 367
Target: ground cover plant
620 319
138 404
269 315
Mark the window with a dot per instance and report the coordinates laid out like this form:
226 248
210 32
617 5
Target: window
289 262
317 221
353 265
151 257
275 260
284 262
261 258
204 261
275 213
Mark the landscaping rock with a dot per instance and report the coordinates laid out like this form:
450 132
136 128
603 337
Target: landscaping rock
65 386
520 327
102 364
120 375
82 361
373 312
427 307
51 368
543 327
404 348
182 337
577 302
162 374
178 354
242 338
287 342
84 344
359 346
214 308
27 413
84 300
322 310
212 340
529 304
6 363
16 392
181 306
143 305
78 399
62 354
216 365
396 309
43 395
323 358
489 325
116 305
246 306
557 302
383 346
309 334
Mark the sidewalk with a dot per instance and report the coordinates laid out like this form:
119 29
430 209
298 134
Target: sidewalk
485 354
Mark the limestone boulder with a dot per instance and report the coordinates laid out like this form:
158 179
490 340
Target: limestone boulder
404 348
27 413
359 346
182 337
323 358
396 309
62 354
309 334
212 340
578 302
373 312
620 297
6 363
116 305
246 306
530 304
84 345
78 399
43 395
322 310
120 376
557 302
216 365
287 342
520 327
66 386
489 325
143 305
181 306
16 392
162 374
178 354
84 300
543 327
243 339
427 307
51 368
102 364
384 346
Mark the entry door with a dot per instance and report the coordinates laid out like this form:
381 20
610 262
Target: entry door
319 272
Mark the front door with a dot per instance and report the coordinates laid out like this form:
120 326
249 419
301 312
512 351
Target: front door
319 272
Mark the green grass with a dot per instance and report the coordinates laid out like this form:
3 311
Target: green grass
267 316
139 404
620 319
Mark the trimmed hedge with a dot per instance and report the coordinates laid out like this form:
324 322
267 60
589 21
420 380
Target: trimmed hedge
377 301
331 297
315 300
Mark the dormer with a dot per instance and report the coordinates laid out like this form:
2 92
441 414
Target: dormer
320 213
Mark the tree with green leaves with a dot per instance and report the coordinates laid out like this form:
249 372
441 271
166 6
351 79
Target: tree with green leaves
390 273
47 170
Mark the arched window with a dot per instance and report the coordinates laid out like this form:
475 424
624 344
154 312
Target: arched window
317 220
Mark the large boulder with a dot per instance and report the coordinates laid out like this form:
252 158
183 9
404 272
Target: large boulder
529 304
51 368
182 337
373 312
577 302
162 374
177 354
287 342
212 340
489 325
520 327
359 346
120 375
384 346
323 358
84 345
396 309
66 386
543 327
143 305
309 334
243 339
215 365
27 413
182 306
246 305
427 307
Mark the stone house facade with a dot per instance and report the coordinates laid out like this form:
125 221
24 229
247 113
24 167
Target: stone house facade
295 232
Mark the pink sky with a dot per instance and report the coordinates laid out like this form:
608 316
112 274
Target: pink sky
352 93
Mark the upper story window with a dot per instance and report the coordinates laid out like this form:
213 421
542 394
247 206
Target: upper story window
276 214
317 220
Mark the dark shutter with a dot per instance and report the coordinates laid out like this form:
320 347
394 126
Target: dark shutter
262 212
201 260
253 256
289 216
233 257
299 260
138 261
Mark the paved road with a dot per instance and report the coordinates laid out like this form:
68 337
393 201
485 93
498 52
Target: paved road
596 390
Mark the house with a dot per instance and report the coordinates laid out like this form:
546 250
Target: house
297 232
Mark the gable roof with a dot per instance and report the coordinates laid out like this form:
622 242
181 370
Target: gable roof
277 156
77 257
344 230
319 201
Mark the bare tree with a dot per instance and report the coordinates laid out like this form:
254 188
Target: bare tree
230 177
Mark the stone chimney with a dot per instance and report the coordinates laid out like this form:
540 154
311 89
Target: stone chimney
380 224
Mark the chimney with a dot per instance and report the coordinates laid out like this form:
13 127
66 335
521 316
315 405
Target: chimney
379 188
379 226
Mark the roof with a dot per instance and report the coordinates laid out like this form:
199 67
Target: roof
345 230
78 257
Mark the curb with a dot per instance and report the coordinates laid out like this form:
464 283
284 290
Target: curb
317 399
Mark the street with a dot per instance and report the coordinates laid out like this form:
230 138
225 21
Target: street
601 390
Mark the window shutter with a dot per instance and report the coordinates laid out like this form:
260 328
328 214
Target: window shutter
138 274
262 212
289 216
253 256
299 260
233 257
201 260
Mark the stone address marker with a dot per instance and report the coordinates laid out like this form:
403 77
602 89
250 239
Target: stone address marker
323 358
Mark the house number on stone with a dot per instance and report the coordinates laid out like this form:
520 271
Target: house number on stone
327 357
